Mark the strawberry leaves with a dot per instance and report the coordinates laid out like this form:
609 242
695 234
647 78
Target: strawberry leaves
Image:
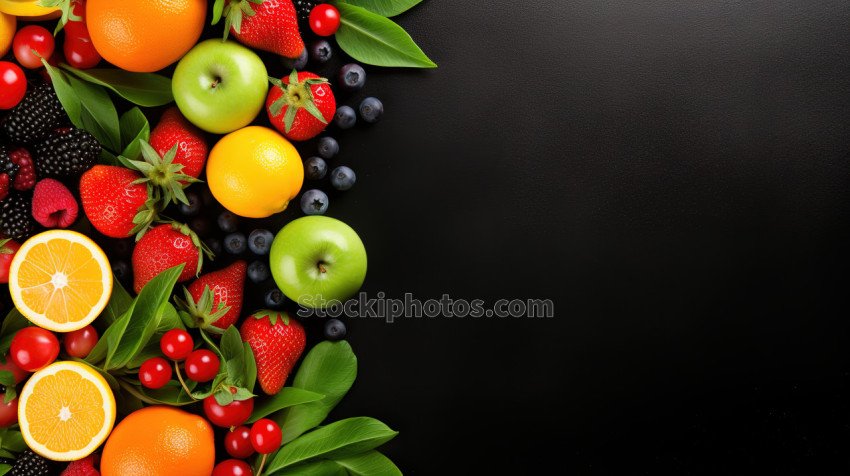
201 314
296 96
233 11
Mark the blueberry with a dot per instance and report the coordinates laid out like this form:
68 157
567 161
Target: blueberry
328 147
371 110
235 243
321 51
258 272
227 222
260 241
121 270
214 244
298 63
274 298
352 77
315 168
345 117
334 329
314 202
201 225
343 178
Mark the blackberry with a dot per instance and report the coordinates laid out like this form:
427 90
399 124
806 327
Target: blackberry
67 153
30 464
16 221
8 172
304 7
39 113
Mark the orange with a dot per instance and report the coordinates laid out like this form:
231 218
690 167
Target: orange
254 172
144 35
66 410
159 441
60 280
8 25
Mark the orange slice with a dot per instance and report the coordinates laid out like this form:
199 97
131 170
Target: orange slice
66 410
60 280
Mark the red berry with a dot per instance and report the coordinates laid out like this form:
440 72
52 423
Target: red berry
324 20
8 411
234 413
79 343
238 443
25 180
78 47
13 85
34 348
155 373
7 252
266 436
176 344
53 205
32 43
19 373
232 467
202 365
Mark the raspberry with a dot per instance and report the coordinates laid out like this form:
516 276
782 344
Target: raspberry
26 169
83 467
53 206
8 172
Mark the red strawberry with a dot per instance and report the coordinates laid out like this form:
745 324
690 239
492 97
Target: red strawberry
163 247
226 287
173 129
53 206
277 341
115 204
25 180
301 105
83 467
272 27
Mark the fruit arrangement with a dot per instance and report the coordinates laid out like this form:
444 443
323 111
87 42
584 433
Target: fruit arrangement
152 265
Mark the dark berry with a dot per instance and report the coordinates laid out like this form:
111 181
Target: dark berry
315 168
16 219
328 147
25 180
343 178
260 241
345 117
227 222
30 464
235 243
314 202
298 63
35 117
66 153
304 7
258 272
371 110
321 51
193 207
121 270
8 172
201 225
214 244
334 329
273 298
352 77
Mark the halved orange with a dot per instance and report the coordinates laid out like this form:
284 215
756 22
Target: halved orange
60 280
66 410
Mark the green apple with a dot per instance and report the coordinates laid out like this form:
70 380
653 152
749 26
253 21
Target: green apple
220 86
316 259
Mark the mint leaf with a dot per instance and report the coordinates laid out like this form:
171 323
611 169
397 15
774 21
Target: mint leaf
97 113
142 89
387 8
287 397
134 129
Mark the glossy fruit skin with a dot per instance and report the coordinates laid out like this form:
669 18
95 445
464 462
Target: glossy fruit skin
334 329
298 63
161 248
19 373
324 20
235 243
265 436
305 126
260 241
237 443
343 178
345 117
228 286
202 365
232 467
8 411
13 85
162 31
273 299
234 413
7 252
29 38
273 27
34 348
8 26
351 77
176 344
315 168
192 149
79 343
155 373
321 52
110 199
371 110
277 341
138 446
328 147
314 202
78 47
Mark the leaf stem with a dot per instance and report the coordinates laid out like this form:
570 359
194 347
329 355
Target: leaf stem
182 382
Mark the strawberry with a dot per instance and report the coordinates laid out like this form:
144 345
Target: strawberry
215 299
25 180
300 105
83 467
173 129
277 341
163 247
269 25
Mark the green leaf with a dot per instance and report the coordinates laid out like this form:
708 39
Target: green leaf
134 129
370 463
287 397
316 468
218 7
7 379
340 439
171 394
250 367
142 89
4 468
373 39
119 301
66 94
330 369
13 441
98 114
387 8
13 322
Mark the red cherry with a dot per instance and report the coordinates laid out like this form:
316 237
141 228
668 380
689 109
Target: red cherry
79 343
234 413
19 373
78 47
266 436
324 20
176 344
155 373
202 365
34 348
13 87
32 43
232 467
238 442
8 411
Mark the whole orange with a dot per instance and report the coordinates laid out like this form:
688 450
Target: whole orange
144 35
159 441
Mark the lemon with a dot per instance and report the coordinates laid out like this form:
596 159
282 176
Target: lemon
254 172
28 8
8 24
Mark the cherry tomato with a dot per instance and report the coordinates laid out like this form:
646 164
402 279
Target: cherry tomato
202 365
232 467
238 442
34 348
78 47
266 436
324 20
29 38
19 373
8 411
7 251
79 343
235 413
155 373
176 344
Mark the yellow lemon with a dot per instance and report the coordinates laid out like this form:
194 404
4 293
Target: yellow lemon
60 280
66 410
254 172
8 23
29 9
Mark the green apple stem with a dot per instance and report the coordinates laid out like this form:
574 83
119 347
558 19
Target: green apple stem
322 268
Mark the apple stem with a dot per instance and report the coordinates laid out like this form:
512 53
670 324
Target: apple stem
322 268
